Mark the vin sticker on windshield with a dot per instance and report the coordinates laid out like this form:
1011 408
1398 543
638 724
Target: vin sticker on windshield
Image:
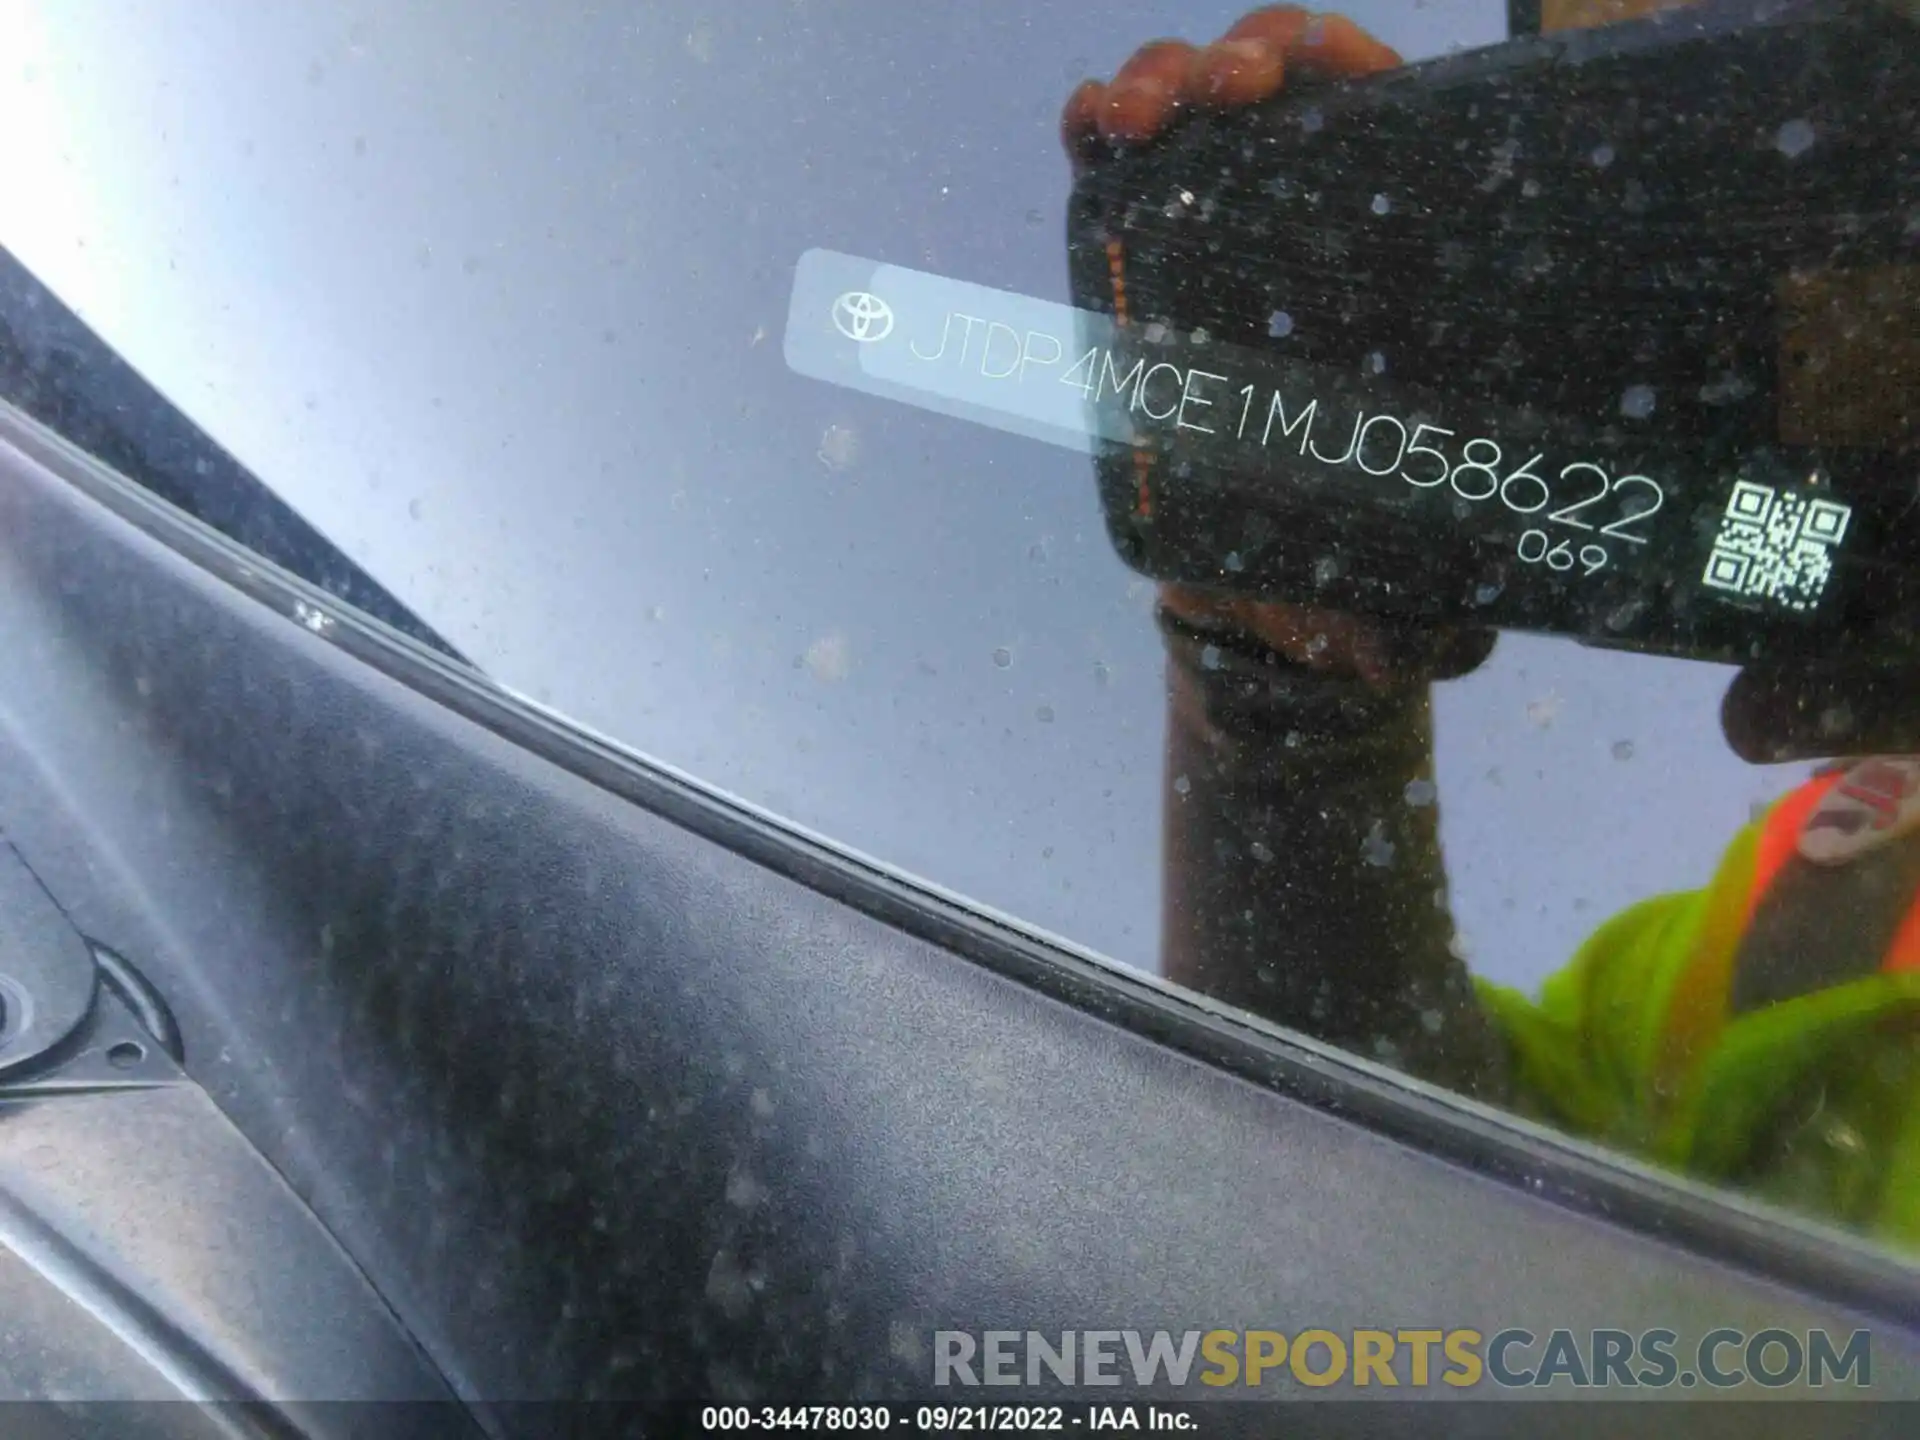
990 356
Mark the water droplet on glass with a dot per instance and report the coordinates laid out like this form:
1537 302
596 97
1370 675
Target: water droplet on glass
1181 785
839 447
1327 569
1279 325
1044 714
1421 793
1376 363
1311 119
1530 189
829 658
1233 562
1261 853
729 1286
1486 594
1003 657
1623 749
1794 139
1381 205
1636 402
1210 657
1726 389
744 1190
1623 616
1377 850
1602 156
1842 1136
1102 673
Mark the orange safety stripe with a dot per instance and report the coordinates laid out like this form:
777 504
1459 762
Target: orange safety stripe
1780 834
1142 458
1903 954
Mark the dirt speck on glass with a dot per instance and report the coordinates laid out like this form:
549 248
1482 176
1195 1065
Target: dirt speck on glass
1794 139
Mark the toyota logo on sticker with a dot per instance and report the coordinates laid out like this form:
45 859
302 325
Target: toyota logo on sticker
862 318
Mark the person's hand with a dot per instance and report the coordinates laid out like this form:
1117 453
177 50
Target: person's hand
1163 81
1251 62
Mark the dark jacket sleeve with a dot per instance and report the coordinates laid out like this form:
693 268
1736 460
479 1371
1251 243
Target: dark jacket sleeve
1304 879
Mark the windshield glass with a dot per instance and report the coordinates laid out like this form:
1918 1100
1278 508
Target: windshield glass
1404 530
